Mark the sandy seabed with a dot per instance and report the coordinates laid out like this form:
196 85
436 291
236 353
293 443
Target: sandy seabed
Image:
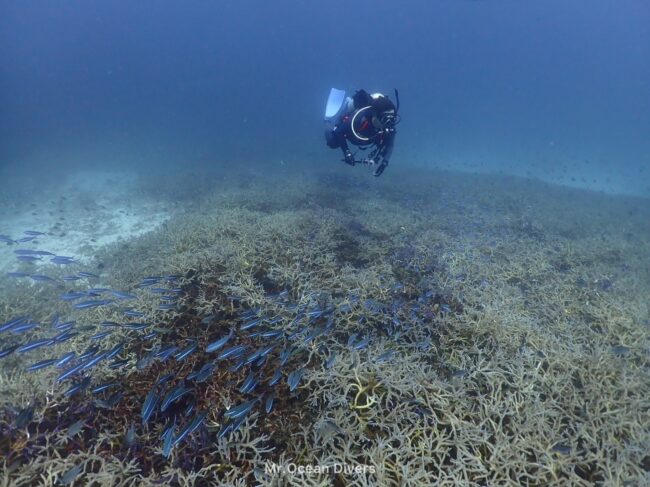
429 328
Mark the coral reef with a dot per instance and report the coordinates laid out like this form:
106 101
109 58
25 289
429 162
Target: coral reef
463 330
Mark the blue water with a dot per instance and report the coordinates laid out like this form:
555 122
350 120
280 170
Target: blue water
558 90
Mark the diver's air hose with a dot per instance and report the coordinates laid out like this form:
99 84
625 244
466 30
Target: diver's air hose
354 132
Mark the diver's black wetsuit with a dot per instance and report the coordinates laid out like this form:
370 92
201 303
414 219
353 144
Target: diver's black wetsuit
373 118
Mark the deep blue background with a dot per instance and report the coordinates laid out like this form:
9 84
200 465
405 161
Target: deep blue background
557 88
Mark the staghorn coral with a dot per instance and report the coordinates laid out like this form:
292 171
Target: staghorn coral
519 340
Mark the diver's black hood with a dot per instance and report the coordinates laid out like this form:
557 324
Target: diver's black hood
382 104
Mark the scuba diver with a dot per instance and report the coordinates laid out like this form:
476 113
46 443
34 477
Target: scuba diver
364 120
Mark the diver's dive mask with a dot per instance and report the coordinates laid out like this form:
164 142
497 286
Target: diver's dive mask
385 121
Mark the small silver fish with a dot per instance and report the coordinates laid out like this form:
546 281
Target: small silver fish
76 428
71 475
130 436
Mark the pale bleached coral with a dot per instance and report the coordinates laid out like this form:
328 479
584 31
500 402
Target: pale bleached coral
528 368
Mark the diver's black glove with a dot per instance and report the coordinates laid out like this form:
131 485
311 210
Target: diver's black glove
380 168
349 158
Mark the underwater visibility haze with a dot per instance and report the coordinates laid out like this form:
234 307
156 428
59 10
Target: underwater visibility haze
211 275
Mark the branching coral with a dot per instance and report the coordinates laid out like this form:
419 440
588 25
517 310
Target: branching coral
505 345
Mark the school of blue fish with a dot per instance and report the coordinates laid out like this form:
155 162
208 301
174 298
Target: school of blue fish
270 346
